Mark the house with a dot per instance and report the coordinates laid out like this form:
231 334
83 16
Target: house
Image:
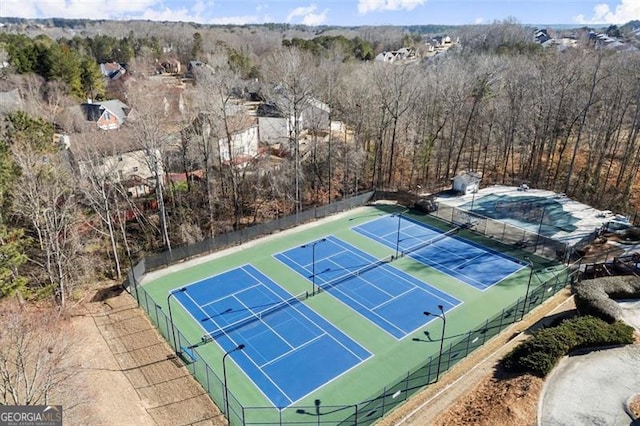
169 66
241 144
402 54
112 70
117 161
107 115
541 36
316 116
243 130
467 182
193 67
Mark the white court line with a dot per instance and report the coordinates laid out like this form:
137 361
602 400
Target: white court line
463 264
394 298
230 294
258 317
294 349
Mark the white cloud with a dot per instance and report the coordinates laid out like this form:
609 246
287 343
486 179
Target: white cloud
624 12
101 9
313 19
199 11
308 16
366 6
478 20
301 11
236 20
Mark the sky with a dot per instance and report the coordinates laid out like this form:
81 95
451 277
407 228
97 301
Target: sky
334 12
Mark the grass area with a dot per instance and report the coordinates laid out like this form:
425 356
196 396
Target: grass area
392 359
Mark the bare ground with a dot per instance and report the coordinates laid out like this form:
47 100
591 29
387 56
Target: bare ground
475 392
129 374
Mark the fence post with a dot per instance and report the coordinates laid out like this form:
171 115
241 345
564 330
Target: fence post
502 317
384 400
206 373
468 343
428 381
355 414
166 325
486 330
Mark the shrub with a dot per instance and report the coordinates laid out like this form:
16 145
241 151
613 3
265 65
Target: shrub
594 297
539 354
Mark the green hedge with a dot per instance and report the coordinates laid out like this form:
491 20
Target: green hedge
539 354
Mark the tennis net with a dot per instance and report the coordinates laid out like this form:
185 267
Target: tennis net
260 315
430 241
349 275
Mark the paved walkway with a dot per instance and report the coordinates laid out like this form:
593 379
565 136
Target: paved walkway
591 389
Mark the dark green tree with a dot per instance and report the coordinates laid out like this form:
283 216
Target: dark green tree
197 51
91 79
12 256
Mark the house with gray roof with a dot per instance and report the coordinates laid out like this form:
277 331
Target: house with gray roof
108 115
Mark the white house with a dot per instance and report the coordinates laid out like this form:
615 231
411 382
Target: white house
132 167
244 133
467 182
275 127
274 130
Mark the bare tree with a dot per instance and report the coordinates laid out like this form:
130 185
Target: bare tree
150 130
44 198
290 72
35 355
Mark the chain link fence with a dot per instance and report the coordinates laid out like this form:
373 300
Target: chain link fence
351 412
209 245
512 235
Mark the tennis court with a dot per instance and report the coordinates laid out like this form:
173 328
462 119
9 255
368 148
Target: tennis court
286 343
375 289
474 265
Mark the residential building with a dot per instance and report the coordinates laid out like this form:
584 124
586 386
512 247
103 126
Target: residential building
107 115
244 131
112 70
117 161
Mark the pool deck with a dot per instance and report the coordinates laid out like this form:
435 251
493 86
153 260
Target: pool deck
587 219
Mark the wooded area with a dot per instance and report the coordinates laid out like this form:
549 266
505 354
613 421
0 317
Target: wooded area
496 102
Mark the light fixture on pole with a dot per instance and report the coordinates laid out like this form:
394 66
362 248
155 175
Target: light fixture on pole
173 331
526 295
224 375
444 326
313 263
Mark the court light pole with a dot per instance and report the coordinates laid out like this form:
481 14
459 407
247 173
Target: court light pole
313 263
442 316
526 295
173 330
224 375
535 247
398 232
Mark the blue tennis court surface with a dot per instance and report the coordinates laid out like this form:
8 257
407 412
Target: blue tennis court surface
287 344
383 294
474 265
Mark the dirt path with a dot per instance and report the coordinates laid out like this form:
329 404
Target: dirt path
129 372
470 394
